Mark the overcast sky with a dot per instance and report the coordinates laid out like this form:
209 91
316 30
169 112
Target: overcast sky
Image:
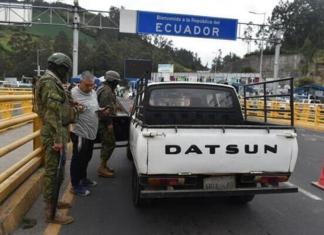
206 48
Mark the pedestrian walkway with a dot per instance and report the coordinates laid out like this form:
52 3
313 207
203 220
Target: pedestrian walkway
105 197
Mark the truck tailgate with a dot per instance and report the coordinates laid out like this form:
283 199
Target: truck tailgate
220 151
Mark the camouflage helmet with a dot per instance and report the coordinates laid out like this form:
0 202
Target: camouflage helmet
59 58
111 76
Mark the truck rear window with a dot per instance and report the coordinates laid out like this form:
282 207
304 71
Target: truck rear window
189 97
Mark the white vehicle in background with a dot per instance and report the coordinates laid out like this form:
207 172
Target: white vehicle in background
191 140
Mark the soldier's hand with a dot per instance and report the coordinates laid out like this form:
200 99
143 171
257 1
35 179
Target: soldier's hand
57 147
104 111
66 86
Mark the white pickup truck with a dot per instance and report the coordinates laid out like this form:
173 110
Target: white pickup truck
191 140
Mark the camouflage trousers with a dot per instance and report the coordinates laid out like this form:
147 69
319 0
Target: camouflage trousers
108 141
51 163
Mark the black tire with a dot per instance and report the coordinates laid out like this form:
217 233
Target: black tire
244 199
129 154
136 189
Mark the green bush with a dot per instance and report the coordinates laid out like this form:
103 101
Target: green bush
304 81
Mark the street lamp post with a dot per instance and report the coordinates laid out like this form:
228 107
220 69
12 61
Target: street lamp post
261 45
38 66
76 22
38 70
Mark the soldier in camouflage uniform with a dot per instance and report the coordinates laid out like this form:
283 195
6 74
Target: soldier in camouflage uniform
55 108
107 97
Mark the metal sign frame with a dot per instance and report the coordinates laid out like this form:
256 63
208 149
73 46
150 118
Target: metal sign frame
15 13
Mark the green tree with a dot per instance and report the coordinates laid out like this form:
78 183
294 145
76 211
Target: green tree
108 51
62 43
305 81
217 63
85 57
230 58
303 24
101 58
247 70
23 55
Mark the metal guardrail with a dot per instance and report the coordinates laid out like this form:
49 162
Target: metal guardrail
14 89
14 103
305 115
15 175
267 96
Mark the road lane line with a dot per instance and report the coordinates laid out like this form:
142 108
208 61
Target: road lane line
313 136
308 194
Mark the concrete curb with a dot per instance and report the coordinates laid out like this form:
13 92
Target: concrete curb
16 206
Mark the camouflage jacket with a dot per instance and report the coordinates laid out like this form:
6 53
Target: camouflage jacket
107 97
54 106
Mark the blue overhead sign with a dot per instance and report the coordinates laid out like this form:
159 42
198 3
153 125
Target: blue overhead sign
186 25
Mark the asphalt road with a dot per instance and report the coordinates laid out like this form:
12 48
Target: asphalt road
109 209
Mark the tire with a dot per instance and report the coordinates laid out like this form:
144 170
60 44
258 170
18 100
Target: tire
244 199
129 154
136 189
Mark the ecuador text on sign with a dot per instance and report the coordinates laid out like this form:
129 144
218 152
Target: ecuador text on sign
186 25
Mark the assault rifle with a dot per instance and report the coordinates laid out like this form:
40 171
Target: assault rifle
58 181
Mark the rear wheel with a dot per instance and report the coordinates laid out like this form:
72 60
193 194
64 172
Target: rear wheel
242 199
129 154
136 189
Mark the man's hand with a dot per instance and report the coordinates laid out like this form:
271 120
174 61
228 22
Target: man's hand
80 107
57 147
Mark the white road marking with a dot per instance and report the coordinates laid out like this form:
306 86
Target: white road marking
308 194
312 137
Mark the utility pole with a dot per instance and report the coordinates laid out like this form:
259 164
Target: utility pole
76 22
279 36
261 44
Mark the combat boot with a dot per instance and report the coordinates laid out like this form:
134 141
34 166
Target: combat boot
104 172
110 169
63 205
59 218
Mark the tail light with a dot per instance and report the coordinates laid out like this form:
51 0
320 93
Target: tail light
165 181
272 180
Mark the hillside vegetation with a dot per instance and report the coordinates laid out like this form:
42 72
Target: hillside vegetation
302 24
99 50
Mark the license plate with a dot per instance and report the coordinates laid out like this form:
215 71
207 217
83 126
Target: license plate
219 182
